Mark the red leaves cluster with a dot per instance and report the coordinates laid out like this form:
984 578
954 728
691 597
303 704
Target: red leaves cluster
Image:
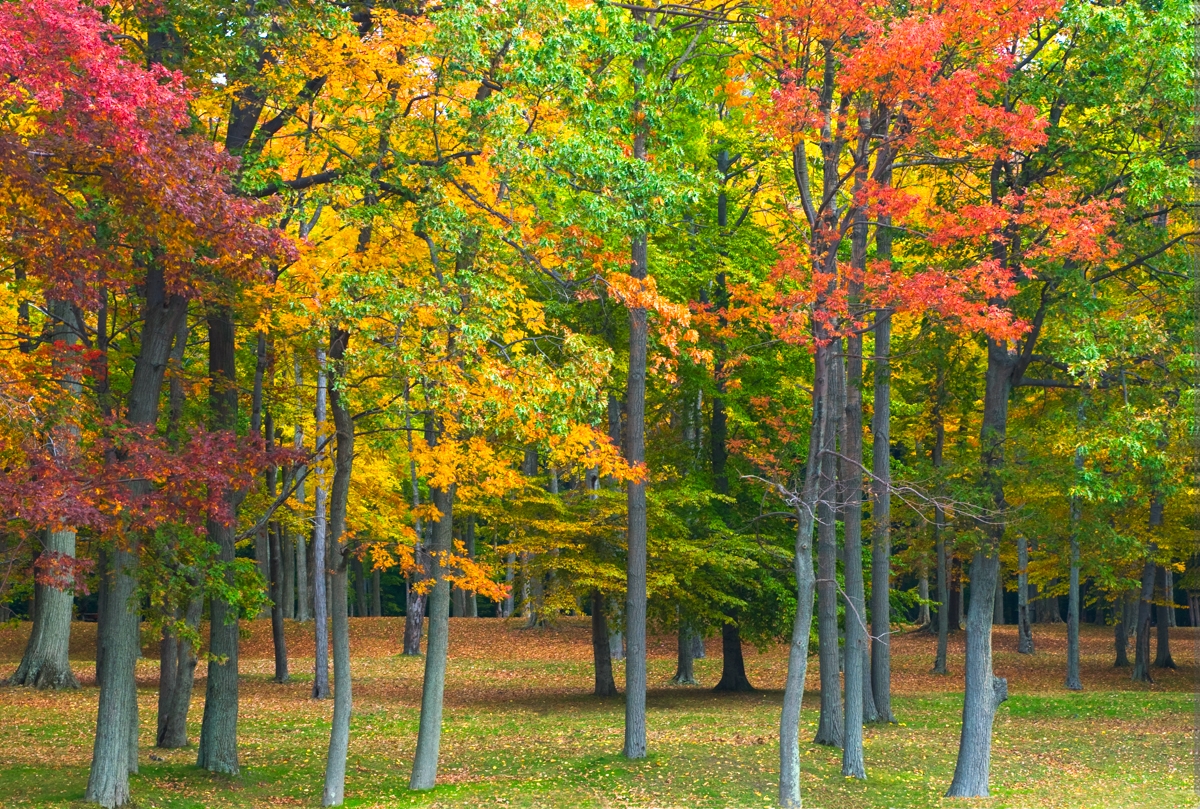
98 172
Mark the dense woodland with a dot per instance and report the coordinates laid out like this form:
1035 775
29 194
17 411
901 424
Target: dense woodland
771 322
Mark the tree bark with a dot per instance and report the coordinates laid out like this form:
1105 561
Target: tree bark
278 638
45 663
114 754
1120 632
360 586
820 442
174 705
858 669
414 600
304 599
733 665
601 656
1141 645
830 725
320 689
685 673
1024 626
429 734
998 609
1073 681
339 734
1162 653
881 537
939 535
472 605
218 728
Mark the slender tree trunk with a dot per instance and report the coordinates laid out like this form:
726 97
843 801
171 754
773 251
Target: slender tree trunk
288 592
1141 646
376 595
339 734
601 656
218 729
279 640
1162 653
820 442
1170 596
1120 631
320 689
429 734
924 617
733 665
1073 681
1024 627
414 606
360 586
998 609
635 455
114 754
830 725
304 598
881 537
469 541
858 669
939 532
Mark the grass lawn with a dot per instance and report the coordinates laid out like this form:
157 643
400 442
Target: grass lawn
522 730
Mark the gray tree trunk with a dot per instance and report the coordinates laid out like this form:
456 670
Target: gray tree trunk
601 656
685 673
820 442
998 609
339 734
924 617
304 600
1141 646
830 725
114 754
1073 681
881 513
320 689
288 593
939 532
429 733
45 663
218 728
179 656
635 454
361 599
857 677
1024 624
414 601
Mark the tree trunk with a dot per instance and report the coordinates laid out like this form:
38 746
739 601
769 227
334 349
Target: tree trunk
881 538
218 729
45 663
114 754
939 535
820 442
414 600
289 575
1073 681
339 733
360 586
1170 596
1141 646
376 595
998 609
924 617
635 455
279 640
1024 626
830 725
1120 632
429 734
984 691
304 600
858 670
320 689
684 670
173 709
733 666
469 541
1162 654
601 656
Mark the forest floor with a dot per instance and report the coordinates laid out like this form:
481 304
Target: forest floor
522 729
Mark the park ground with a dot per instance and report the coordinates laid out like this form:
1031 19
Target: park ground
523 730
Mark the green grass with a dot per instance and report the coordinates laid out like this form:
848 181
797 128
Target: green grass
522 731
